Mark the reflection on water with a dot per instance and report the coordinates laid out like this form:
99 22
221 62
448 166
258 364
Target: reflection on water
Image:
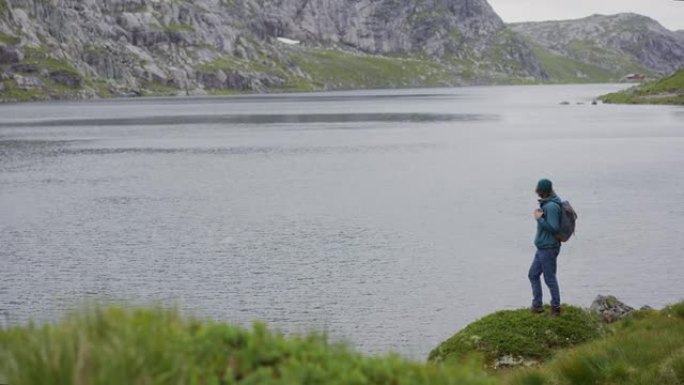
253 119
387 218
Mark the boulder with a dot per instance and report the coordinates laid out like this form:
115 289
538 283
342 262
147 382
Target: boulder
66 78
254 81
610 308
28 82
10 54
509 361
24 68
213 80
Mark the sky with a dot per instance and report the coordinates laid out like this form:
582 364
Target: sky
670 13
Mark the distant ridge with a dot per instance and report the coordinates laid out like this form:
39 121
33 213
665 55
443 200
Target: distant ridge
613 45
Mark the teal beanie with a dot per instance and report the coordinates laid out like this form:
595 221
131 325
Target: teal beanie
544 186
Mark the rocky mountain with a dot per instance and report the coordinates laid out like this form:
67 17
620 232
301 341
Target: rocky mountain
604 47
88 48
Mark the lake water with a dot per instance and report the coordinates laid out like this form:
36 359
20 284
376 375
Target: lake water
390 219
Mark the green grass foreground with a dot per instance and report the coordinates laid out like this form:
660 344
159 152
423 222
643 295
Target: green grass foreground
645 350
139 346
153 346
668 90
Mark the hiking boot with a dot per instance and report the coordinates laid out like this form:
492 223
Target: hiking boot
536 309
555 311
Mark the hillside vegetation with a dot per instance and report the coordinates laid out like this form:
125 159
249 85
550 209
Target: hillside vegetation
645 350
151 346
154 346
668 90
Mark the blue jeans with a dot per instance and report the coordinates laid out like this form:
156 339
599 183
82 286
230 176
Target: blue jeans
544 262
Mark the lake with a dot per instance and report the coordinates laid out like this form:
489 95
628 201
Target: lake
389 219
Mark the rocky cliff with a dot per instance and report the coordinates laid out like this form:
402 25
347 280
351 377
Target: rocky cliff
606 47
86 48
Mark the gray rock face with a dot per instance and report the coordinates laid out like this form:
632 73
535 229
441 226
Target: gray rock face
435 27
10 54
610 42
24 68
133 44
28 82
610 308
66 78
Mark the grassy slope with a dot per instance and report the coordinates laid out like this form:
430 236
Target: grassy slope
323 69
118 346
644 351
329 69
39 59
562 69
586 63
520 334
334 69
668 90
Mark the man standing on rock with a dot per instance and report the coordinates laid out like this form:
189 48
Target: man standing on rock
548 217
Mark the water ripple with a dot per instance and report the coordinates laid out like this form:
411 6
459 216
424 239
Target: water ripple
254 119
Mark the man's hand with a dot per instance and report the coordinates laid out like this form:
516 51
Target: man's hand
538 213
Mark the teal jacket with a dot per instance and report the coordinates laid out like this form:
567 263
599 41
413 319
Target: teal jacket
549 223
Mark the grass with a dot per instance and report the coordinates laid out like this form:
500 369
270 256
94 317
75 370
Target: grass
520 335
327 69
618 63
12 93
334 69
9 39
159 89
228 63
643 351
156 346
668 90
137 346
565 70
40 57
178 27
102 88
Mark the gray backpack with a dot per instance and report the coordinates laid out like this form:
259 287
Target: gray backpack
568 218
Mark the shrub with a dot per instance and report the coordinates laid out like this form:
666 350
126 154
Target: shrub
676 310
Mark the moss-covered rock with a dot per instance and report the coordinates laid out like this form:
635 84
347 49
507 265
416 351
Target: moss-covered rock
519 337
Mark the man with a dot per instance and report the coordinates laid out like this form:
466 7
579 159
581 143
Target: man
548 223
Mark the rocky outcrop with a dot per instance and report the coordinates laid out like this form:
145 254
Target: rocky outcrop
10 54
620 43
435 27
610 309
66 78
134 46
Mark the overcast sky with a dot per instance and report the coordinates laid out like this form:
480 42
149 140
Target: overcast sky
670 13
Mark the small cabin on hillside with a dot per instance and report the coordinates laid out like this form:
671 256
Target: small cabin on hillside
633 78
